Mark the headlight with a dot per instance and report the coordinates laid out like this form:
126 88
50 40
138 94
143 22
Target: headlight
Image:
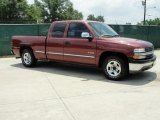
139 53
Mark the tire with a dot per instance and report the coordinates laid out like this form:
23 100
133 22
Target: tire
115 68
28 58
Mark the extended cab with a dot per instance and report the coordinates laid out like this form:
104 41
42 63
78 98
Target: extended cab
86 42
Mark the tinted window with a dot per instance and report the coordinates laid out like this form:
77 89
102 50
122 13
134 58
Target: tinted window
75 30
58 30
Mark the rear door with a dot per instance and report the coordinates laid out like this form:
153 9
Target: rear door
76 48
54 48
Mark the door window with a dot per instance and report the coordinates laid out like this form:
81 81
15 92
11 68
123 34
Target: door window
75 30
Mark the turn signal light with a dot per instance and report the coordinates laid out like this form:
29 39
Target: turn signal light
138 57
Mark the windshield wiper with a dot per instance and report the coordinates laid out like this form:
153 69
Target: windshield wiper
106 35
116 35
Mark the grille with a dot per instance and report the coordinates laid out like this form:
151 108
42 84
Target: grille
149 56
149 49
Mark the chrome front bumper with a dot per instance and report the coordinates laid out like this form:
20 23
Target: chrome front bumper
142 65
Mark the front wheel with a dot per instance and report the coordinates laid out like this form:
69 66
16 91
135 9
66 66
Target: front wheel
28 58
115 68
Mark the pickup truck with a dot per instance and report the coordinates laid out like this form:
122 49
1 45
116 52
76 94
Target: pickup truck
86 42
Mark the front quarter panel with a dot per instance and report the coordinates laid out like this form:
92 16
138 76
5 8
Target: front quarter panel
112 46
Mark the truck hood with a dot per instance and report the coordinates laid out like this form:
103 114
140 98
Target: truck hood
130 42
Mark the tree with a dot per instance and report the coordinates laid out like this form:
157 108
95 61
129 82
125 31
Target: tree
71 14
34 13
100 18
13 10
59 10
155 21
19 11
93 18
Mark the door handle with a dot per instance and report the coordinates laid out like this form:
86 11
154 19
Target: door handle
67 43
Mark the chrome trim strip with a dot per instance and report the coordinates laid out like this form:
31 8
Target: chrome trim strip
16 48
74 55
39 52
84 56
148 53
54 53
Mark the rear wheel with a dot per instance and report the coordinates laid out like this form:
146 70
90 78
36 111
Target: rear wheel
28 58
115 68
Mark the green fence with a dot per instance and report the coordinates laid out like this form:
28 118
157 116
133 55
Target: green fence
148 33
7 31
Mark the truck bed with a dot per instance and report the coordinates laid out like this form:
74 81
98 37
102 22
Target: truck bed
37 43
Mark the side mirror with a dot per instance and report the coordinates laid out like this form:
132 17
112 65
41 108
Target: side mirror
87 36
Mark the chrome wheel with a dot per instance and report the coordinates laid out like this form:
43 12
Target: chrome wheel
113 68
27 58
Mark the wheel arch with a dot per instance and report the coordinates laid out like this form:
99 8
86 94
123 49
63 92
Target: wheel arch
32 58
25 47
106 54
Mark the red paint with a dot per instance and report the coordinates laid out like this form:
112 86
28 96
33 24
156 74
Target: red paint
77 46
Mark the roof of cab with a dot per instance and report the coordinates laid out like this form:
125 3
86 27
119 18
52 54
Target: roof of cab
68 21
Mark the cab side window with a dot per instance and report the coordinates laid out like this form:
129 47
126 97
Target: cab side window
75 30
58 30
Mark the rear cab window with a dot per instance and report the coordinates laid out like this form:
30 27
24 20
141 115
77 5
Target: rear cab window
58 30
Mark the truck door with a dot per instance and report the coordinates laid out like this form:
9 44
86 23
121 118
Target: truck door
54 46
76 48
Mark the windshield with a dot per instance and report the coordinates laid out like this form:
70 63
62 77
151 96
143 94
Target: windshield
102 30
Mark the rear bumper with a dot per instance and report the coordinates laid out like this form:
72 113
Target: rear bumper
16 51
12 52
141 65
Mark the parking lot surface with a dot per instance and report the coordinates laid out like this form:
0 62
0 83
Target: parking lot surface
56 91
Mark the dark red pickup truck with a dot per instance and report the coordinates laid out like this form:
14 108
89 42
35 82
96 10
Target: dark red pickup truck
86 42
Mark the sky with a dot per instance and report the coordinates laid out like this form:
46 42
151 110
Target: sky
117 11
